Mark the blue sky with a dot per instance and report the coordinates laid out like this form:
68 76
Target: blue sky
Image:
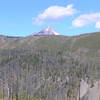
68 17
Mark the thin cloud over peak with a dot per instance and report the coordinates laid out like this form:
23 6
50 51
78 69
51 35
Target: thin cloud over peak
86 19
55 12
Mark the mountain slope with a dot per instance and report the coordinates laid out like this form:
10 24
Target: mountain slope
87 43
47 67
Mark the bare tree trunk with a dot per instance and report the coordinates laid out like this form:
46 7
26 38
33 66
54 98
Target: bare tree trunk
79 90
3 86
3 92
17 88
12 96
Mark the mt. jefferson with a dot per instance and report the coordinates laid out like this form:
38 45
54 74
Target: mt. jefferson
47 31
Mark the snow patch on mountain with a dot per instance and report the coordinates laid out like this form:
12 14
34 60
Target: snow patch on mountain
47 31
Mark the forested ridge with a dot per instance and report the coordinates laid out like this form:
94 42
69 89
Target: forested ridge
48 67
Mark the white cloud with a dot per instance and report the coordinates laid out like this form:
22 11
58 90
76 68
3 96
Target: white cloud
55 12
86 19
37 21
97 24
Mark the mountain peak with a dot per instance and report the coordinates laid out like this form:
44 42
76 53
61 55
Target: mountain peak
47 31
48 28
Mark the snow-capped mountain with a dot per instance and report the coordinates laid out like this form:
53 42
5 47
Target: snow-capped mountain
47 31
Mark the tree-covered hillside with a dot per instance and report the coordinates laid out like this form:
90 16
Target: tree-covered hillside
48 67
